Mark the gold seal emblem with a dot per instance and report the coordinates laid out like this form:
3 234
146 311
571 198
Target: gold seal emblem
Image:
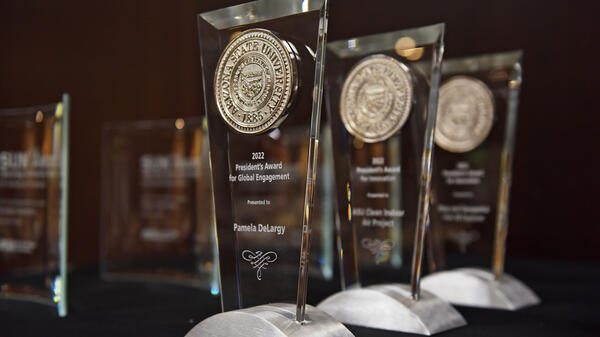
376 98
465 114
255 81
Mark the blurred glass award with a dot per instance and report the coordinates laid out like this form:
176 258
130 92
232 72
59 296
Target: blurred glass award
475 136
262 65
156 203
379 88
34 159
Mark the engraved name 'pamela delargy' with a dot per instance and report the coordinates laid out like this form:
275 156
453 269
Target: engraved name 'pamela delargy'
255 81
259 228
376 98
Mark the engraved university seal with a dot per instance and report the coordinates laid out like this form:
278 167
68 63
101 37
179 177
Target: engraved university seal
376 98
255 81
465 114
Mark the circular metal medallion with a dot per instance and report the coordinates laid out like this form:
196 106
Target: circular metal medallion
465 114
376 98
255 81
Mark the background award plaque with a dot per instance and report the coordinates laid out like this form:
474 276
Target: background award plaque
262 66
33 204
475 136
379 88
156 203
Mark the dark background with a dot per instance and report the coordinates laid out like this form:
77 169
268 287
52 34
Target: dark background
140 60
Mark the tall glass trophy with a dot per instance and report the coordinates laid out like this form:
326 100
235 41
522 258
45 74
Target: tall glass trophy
379 89
34 157
262 68
475 136
157 203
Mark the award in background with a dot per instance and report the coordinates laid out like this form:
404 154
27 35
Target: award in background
157 202
475 136
34 157
262 67
379 88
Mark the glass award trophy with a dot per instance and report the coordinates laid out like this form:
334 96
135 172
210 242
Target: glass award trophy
379 89
262 66
475 136
156 203
34 159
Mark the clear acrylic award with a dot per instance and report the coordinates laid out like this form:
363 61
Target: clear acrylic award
379 90
475 136
34 157
157 202
262 67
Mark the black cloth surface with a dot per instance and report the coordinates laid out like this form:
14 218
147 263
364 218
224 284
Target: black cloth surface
570 296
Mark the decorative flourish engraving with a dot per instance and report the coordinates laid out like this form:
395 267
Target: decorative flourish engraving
259 260
465 114
255 81
381 250
464 238
376 98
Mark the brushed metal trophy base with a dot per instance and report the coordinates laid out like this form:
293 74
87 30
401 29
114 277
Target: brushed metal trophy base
391 307
479 288
270 320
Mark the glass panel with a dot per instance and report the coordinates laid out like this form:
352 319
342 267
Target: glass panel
379 88
33 203
475 138
261 65
156 203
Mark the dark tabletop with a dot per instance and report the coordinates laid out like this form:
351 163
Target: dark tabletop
570 296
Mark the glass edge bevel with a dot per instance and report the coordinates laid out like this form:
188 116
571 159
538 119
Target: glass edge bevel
421 226
367 44
258 11
63 237
215 280
482 62
313 151
506 166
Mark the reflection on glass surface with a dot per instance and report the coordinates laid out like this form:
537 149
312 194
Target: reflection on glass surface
33 203
470 187
156 203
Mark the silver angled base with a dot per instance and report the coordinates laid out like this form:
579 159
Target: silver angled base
270 320
391 307
479 288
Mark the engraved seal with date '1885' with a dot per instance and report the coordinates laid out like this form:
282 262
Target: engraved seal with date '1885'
255 81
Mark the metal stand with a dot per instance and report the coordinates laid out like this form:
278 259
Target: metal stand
270 320
479 288
391 307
